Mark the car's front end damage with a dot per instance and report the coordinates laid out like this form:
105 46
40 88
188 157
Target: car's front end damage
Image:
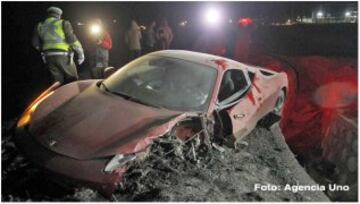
64 168
105 173
91 132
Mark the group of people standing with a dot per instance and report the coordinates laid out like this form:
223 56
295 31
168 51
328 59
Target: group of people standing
57 42
152 38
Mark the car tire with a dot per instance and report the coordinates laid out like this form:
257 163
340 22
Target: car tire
279 104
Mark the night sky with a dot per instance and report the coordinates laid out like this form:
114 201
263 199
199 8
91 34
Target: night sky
24 73
174 11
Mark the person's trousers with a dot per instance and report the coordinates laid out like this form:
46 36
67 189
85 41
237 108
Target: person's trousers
62 68
101 57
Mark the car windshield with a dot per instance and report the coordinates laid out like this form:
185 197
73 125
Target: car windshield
166 82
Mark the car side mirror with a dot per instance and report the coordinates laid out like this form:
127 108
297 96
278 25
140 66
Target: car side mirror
108 71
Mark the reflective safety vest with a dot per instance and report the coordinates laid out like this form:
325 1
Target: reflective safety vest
52 34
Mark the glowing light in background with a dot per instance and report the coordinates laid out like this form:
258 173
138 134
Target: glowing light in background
335 95
183 23
319 14
212 16
347 14
245 21
95 29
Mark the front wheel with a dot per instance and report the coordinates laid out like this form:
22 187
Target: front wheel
279 105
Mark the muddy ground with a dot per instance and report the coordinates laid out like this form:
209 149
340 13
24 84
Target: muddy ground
261 158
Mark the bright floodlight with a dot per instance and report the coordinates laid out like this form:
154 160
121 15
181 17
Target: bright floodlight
95 29
320 14
212 16
347 14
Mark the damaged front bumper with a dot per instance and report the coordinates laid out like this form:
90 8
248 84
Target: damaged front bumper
84 172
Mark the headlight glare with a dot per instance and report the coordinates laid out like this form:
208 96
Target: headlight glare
26 116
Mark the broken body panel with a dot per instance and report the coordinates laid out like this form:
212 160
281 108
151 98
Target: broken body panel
76 130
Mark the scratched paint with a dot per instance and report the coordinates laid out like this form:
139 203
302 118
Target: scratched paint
256 87
221 63
251 97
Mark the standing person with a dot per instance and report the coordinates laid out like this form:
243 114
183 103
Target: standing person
56 41
164 35
103 45
150 38
132 39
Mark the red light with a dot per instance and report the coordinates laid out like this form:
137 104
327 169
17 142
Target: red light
245 21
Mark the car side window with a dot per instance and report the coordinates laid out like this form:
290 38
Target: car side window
234 82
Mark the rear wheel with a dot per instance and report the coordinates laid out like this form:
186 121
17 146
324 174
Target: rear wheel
279 105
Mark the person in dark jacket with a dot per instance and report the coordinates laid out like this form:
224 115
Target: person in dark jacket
56 41
150 38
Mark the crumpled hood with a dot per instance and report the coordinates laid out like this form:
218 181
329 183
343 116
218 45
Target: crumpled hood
95 123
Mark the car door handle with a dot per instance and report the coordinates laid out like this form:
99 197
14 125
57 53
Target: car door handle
238 116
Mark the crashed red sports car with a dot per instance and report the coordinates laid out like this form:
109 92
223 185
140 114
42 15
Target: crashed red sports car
87 131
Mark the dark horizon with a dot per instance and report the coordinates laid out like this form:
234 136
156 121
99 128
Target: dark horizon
23 64
82 11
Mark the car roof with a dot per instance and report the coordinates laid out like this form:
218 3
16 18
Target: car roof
201 58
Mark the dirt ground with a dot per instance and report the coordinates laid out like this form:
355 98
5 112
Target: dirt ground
227 175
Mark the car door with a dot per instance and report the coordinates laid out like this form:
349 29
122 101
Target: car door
240 100
269 93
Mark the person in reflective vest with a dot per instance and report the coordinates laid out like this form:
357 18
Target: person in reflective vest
56 41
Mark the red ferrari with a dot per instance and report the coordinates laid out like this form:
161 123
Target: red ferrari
88 131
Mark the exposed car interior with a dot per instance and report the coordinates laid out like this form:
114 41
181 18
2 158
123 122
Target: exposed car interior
233 86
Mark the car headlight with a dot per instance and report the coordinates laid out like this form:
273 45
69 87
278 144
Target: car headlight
118 161
26 116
